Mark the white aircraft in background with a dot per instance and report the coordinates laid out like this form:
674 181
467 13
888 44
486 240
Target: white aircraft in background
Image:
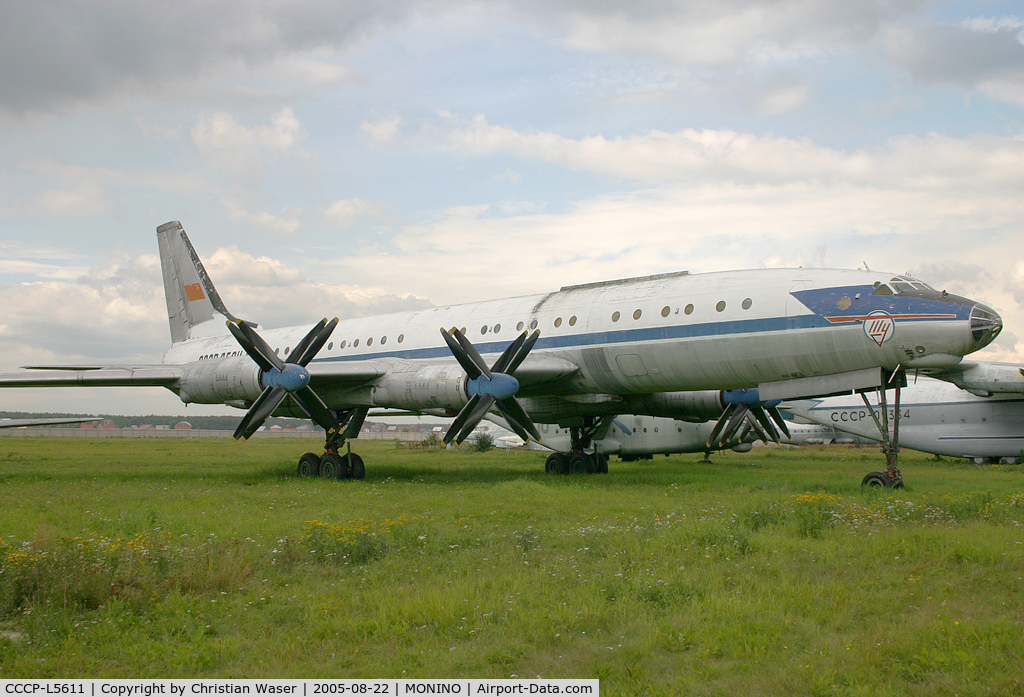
632 437
817 434
723 346
938 417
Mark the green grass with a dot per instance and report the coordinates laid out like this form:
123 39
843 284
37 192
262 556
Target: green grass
769 572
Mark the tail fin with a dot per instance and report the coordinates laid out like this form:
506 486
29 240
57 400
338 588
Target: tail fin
191 297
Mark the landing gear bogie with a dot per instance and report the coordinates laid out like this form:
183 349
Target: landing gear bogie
576 463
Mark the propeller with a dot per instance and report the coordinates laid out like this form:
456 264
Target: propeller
745 412
281 379
490 387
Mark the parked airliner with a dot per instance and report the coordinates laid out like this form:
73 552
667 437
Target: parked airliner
725 345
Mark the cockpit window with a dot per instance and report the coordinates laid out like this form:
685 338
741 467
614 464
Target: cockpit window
899 285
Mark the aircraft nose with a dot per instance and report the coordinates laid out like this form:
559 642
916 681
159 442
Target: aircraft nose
985 325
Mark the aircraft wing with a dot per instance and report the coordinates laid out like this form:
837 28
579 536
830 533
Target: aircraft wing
985 379
94 376
19 423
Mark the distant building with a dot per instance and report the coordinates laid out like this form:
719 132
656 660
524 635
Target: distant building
105 423
183 426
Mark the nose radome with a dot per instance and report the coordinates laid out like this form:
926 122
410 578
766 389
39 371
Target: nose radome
985 325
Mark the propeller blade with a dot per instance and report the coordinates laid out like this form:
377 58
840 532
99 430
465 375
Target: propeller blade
722 420
478 413
260 346
754 424
501 365
461 356
777 418
307 341
244 342
732 425
473 354
460 420
518 419
263 407
315 409
523 351
762 418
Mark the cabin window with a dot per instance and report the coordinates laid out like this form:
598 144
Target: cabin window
844 303
330 346
497 328
369 342
533 324
355 343
483 329
288 350
665 311
881 289
615 316
277 352
341 345
519 327
747 302
636 315
401 338
383 340
572 321
688 309
558 321
720 307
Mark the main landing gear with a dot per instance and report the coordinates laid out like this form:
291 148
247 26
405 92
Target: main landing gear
578 460
576 463
891 478
334 464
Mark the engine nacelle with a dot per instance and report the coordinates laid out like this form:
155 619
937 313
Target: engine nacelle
695 406
421 388
235 379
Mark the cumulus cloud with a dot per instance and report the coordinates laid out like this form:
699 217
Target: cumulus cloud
67 52
347 213
245 151
726 155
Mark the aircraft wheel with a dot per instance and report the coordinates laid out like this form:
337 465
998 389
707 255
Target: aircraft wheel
309 465
580 463
333 467
881 479
602 463
356 468
556 464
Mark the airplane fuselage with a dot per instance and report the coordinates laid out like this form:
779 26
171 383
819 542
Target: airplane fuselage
675 332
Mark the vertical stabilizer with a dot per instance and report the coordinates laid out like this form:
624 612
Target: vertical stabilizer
191 297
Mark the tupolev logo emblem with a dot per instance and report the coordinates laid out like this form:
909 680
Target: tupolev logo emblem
879 327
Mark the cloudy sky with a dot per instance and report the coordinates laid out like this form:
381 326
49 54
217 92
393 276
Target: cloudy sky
352 158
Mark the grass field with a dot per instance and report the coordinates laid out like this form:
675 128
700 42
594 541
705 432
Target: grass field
770 572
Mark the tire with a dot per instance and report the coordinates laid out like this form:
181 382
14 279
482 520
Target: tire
333 467
580 463
309 465
354 463
557 463
880 479
602 463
